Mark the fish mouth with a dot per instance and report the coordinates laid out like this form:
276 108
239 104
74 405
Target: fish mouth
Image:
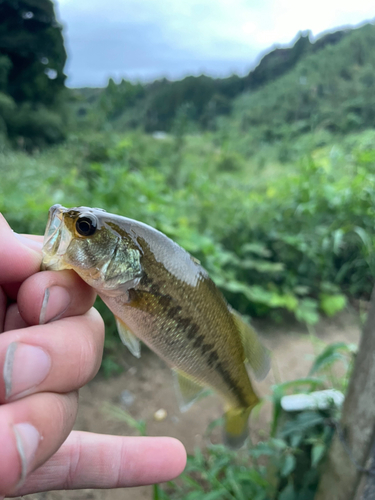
56 240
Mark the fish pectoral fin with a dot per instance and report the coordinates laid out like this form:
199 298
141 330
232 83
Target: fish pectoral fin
256 354
128 338
188 391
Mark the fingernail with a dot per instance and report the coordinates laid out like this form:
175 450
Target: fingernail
27 441
34 245
25 367
56 301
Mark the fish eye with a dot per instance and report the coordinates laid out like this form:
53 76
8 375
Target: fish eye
86 225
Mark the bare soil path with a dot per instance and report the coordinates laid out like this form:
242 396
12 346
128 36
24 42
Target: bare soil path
150 384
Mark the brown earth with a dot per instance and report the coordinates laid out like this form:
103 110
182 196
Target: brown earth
149 381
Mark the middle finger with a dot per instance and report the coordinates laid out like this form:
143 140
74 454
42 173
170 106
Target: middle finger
57 357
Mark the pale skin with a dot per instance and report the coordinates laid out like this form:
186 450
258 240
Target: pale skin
42 366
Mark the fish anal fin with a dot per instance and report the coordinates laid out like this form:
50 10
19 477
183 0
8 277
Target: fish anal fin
128 338
188 390
256 354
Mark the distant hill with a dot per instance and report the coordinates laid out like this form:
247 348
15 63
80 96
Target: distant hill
332 88
328 82
279 61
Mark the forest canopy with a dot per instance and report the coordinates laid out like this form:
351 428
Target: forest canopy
322 84
32 59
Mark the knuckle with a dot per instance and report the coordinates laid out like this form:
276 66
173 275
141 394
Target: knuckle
65 409
89 356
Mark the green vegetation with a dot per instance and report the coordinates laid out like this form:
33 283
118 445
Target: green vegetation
32 59
274 200
331 90
296 237
286 465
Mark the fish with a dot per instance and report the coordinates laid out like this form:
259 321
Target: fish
162 296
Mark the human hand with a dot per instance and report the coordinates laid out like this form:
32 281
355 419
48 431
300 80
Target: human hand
51 343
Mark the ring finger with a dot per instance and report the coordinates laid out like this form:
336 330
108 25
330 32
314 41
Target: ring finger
33 422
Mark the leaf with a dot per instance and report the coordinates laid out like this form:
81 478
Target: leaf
277 394
279 444
333 352
262 266
287 493
297 384
256 248
317 453
280 390
301 290
193 483
366 240
218 422
296 439
216 495
307 311
194 495
338 236
332 304
235 485
288 465
262 449
156 492
303 422
159 494
122 415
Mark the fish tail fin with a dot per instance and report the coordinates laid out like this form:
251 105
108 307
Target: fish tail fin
235 427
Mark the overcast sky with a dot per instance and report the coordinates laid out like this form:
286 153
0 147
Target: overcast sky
148 39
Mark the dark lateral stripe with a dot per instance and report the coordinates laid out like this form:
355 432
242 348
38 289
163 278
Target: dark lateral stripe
198 341
183 323
192 331
174 311
146 280
212 358
155 288
165 301
207 348
230 382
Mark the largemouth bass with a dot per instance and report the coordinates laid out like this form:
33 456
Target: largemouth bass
161 295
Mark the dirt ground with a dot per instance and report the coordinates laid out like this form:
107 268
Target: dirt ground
149 384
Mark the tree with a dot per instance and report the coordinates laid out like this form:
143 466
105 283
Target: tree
32 59
352 452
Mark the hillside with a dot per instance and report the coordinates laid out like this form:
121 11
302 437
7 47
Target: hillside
332 89
285 87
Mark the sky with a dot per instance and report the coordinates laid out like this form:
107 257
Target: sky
150 39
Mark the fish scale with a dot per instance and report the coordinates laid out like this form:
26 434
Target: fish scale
196 346
164 297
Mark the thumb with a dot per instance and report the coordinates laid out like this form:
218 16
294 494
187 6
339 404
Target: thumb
20 256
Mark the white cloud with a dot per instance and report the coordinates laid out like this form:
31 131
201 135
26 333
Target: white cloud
177 37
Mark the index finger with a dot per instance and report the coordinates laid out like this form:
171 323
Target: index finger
20 256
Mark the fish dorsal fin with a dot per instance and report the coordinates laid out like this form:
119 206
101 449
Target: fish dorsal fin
256 354
128 338
188 391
